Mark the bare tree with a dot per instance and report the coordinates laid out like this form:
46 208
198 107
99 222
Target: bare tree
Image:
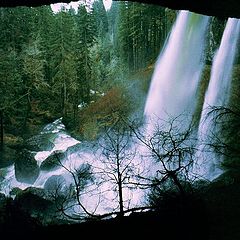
119 165
169 146
224 139
116 170
68 197
172 148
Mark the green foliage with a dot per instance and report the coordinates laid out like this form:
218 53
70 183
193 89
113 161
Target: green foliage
63 68
10 77
33 65
52 62
16 27
108 70
85 37
100 17
141 33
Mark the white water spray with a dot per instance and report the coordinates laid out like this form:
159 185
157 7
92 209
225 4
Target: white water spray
100 196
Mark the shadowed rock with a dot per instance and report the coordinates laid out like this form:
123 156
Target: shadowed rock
26 167
53 161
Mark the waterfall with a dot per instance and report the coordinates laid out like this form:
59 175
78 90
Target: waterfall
217 94
178 69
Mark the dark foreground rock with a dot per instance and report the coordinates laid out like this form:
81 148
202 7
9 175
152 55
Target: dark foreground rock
140 226
222 197
35 203
212 215
171 224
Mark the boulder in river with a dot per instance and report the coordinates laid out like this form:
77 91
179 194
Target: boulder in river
26 167
53 161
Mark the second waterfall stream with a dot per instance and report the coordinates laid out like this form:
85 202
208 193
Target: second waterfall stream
217 95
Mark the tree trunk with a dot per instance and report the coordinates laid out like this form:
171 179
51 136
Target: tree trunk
1 130
178 184
64 99
28 110
119 179
120 197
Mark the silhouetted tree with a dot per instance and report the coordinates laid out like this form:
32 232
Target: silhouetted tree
223 139
114 175
119 165
171 147
68 198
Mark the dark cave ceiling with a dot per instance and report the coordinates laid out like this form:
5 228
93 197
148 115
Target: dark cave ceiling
219 8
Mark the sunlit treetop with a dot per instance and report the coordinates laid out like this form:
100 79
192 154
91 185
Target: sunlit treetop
75 4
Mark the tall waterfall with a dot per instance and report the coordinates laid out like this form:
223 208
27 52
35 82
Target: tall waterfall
178 69
217 94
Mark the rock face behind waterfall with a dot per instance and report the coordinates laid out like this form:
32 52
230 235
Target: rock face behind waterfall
26 167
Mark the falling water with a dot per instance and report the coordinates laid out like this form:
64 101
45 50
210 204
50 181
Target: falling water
178 69
217 94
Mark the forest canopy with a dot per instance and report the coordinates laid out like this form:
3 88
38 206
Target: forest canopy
55 64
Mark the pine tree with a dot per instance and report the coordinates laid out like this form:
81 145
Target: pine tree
100 17
62 61
142 30
85 38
